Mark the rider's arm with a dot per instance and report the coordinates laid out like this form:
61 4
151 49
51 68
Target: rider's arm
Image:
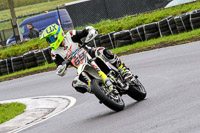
77 35
61 65
57 59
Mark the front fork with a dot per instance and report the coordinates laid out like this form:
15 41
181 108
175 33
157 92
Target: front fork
103 76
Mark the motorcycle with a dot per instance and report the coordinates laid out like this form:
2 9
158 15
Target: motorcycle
104 80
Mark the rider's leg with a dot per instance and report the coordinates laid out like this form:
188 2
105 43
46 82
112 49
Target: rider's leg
81 84
114 60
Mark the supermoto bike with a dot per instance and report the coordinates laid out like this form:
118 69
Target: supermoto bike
100 75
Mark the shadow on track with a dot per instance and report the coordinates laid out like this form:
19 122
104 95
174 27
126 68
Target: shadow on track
110 113
133 105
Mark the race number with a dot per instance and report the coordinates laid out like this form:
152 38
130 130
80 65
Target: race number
78 60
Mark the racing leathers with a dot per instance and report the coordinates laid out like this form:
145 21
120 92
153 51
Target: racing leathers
72 41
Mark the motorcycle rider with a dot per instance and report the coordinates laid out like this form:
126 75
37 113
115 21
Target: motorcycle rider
64 45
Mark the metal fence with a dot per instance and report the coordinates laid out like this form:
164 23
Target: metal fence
5 34
93 11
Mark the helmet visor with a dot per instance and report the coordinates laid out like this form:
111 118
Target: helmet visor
51 39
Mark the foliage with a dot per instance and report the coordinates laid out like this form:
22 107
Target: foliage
106 26
173 39
24 10
18 3
10 110
30 70
20 49
140 46
128 22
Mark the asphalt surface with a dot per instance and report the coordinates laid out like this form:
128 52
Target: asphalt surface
171 77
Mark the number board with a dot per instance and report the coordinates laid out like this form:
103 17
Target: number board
79 58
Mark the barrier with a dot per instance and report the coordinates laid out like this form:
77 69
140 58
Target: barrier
168 26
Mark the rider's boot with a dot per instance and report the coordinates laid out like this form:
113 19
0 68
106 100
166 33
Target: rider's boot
81 86
125 72
115 61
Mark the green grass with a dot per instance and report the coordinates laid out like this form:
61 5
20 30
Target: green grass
140 46
28 71
129 22
20 49
18 3
106 26
5 14
10 110
151 43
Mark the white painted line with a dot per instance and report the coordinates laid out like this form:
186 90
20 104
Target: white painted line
58 109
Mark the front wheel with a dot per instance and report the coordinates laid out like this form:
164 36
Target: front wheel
137 91
113 101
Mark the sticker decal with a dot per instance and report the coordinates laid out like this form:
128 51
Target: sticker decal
66 47
79 59
54 26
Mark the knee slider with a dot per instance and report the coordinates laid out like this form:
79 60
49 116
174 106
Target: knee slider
108 54
105 54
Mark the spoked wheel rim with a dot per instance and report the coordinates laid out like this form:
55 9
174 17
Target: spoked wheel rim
138 85
136 90
114 97
114 102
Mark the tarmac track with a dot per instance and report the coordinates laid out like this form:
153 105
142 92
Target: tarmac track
172 79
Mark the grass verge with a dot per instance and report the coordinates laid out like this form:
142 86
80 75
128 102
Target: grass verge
129 49
106 26
31 71
181 38
5 14
20 49
129 22
10 110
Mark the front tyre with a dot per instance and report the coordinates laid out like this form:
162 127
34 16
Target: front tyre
112 101
136 90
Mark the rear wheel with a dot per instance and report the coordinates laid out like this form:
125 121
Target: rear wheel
113 101
137 91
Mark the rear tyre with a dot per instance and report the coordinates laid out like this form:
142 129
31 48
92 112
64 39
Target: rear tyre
137 91
112 101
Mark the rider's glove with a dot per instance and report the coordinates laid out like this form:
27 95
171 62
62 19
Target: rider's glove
89 28
61 70
92 33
